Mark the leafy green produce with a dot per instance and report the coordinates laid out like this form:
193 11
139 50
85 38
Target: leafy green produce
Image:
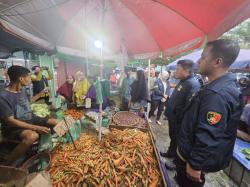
41 110
246 152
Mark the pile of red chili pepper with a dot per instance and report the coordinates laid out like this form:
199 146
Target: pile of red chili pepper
74 113
123 158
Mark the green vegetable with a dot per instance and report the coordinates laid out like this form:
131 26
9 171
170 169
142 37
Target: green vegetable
246 152
40 110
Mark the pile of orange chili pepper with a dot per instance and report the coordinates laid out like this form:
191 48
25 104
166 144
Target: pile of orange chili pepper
123 158
74 113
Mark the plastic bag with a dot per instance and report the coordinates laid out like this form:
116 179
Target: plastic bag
105 122
78 129
75 131
37 162
57 102
59 114
45 142
88 103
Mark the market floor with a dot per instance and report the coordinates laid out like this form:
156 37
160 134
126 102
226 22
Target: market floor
160 133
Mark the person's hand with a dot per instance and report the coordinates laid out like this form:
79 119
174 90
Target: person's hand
83 97
45 90
243 135
194 175
62 98
163 100
41 129
52 122
165 96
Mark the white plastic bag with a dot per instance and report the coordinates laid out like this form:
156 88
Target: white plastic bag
88 103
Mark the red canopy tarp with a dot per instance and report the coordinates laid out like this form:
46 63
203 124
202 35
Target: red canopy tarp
139 28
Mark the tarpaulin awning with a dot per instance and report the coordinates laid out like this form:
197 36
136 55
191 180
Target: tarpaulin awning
10 42
137 28
242 61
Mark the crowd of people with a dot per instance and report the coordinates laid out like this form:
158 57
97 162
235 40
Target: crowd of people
203 112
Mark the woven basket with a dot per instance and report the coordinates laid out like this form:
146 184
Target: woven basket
125 118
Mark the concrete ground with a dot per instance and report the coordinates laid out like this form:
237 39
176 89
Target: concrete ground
160 133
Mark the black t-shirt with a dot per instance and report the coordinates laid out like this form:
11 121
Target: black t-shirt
15 104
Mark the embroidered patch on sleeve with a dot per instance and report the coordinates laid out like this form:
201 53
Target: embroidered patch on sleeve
213 117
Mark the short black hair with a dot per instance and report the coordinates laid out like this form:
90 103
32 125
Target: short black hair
15 72
157 73
186 64
226 49
127 69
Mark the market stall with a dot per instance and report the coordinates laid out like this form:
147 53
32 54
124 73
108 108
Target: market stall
239 168
126 156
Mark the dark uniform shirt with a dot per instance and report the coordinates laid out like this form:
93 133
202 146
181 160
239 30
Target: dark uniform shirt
208 132
180 96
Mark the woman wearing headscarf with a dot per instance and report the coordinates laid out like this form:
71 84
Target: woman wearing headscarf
139 92
66 89
80 88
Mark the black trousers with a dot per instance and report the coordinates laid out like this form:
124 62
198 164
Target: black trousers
173 133
181 176
154 105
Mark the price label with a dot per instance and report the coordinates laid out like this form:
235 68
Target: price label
62 128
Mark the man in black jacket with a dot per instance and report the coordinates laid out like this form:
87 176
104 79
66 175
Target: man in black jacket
175 107
207 136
